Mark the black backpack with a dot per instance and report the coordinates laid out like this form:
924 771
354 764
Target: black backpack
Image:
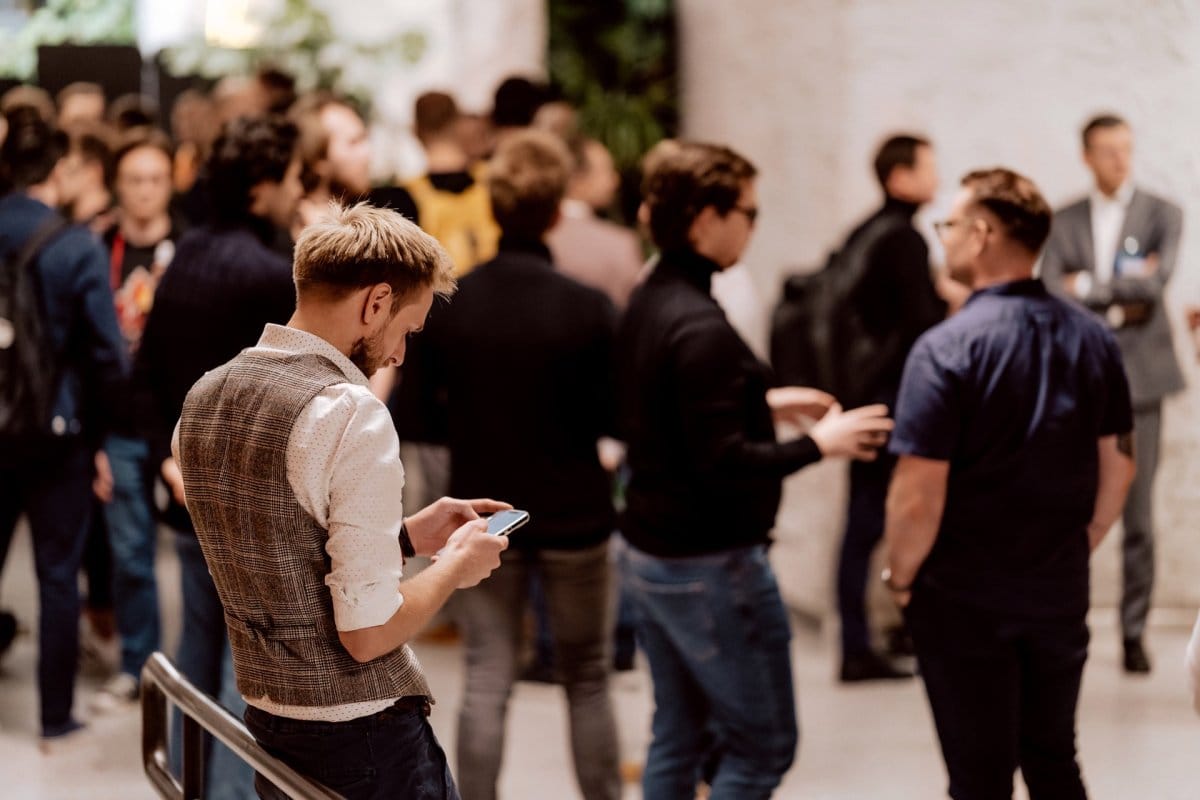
818 335
28 365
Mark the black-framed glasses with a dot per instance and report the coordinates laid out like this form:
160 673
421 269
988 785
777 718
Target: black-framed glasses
751 213
942 225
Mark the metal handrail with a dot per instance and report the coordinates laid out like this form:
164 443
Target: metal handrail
162 682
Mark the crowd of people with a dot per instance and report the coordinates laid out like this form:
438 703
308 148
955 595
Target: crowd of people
225 308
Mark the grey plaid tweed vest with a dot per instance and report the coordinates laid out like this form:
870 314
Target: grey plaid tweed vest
266 554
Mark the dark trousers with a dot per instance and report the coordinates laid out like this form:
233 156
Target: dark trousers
1003 691
864 528
1137 546
392 755
55 492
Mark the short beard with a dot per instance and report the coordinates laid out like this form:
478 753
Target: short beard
365 355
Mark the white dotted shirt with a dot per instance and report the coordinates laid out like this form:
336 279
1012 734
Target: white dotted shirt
343 463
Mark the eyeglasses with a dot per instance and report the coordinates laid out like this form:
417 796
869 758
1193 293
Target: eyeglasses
751 213
943 225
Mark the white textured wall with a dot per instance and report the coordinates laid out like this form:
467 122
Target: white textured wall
808 89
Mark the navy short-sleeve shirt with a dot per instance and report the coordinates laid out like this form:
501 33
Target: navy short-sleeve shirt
1014 392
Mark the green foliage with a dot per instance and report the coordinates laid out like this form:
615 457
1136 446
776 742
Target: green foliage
64 22
616 62
299 39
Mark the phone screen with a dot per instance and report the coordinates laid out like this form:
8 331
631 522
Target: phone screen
504 522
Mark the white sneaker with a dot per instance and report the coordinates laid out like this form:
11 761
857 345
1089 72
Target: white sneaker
121 692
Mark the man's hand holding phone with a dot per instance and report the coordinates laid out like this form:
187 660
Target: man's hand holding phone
431 527
472 553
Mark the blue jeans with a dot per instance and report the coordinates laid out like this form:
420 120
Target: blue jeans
55 492
131 535
716 635
205 660
389 755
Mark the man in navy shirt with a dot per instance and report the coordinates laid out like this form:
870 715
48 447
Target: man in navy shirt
1013 431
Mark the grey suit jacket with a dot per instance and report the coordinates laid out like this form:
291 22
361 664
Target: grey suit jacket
1148 349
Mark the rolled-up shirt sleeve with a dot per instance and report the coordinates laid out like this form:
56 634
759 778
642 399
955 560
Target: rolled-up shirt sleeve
344 465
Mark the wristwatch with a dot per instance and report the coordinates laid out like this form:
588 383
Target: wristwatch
886 577
406 546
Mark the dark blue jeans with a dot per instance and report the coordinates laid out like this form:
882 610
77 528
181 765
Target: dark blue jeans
1003 690
716 635
205 660
55 492
131 535
392 754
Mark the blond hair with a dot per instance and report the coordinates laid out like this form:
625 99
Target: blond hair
352 247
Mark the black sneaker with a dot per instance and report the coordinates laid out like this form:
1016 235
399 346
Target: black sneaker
1136 660
870 666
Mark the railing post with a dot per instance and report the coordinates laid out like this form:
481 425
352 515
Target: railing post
193 759
163 685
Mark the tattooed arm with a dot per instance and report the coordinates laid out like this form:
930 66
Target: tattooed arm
1116 473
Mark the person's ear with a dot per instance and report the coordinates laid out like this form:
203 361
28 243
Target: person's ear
377 301
702 224
258 203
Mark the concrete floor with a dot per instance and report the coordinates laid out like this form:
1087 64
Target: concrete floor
1138 737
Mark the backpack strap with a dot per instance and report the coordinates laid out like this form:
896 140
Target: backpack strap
33 246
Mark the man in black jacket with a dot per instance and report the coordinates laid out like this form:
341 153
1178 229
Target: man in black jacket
522 358
706 477
224 285
893 304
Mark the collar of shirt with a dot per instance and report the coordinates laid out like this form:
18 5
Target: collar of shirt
1026 287
518 244
295 342
1122 197
575 209
691 266
895 205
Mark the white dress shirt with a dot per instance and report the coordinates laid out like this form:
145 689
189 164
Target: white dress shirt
1108 218
343 463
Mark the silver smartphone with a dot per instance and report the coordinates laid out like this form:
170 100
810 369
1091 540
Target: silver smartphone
503 523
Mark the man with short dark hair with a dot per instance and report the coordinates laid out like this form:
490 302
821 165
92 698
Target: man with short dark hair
451 197
48 474
1115 251
523 360
697 410
291 472
893 302
1013 437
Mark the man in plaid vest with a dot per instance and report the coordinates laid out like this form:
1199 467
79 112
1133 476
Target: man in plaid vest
292 475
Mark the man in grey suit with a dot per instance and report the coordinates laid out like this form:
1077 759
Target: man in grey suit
1114 251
